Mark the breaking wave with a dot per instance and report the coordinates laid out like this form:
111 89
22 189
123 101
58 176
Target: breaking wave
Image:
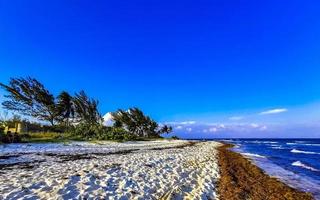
253 155
300 164
305 152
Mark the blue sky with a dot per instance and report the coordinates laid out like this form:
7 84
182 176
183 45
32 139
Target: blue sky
203 61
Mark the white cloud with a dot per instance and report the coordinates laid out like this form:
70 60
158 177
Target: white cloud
274 111
187 122
182 123
263 128
107 119
213 129
253 125
236 118
179 127
234 127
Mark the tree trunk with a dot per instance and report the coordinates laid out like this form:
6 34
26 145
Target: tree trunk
52 122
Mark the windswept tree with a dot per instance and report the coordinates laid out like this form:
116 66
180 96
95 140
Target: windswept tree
65 108
86 109
29 97
165 129
137 123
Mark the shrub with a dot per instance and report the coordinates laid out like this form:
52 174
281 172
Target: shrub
10 137
86 131
124 137
1 134
175 137
35 127
128 136
117 133
99 132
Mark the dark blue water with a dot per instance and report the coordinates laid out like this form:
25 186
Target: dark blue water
294 161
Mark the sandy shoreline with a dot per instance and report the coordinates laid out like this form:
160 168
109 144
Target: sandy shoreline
140 170
167 169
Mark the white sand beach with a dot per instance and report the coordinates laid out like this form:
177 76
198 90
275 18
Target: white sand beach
109 170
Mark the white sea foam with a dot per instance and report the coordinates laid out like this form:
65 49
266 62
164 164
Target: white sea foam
262 142
317 145
269 142
302 144
305 152
227 140
291 143
253 155
256 142
277 147
300 164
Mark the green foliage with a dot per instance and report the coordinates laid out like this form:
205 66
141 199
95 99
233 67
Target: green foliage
82 132
137 123
99 132
71 117
116 133
165 129
29 97
175 137
43 137
86 131
65 108
86 109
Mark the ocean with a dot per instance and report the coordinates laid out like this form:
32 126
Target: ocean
294 161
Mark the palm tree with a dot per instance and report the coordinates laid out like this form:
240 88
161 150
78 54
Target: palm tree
165 129
65 107
86 109
136 122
